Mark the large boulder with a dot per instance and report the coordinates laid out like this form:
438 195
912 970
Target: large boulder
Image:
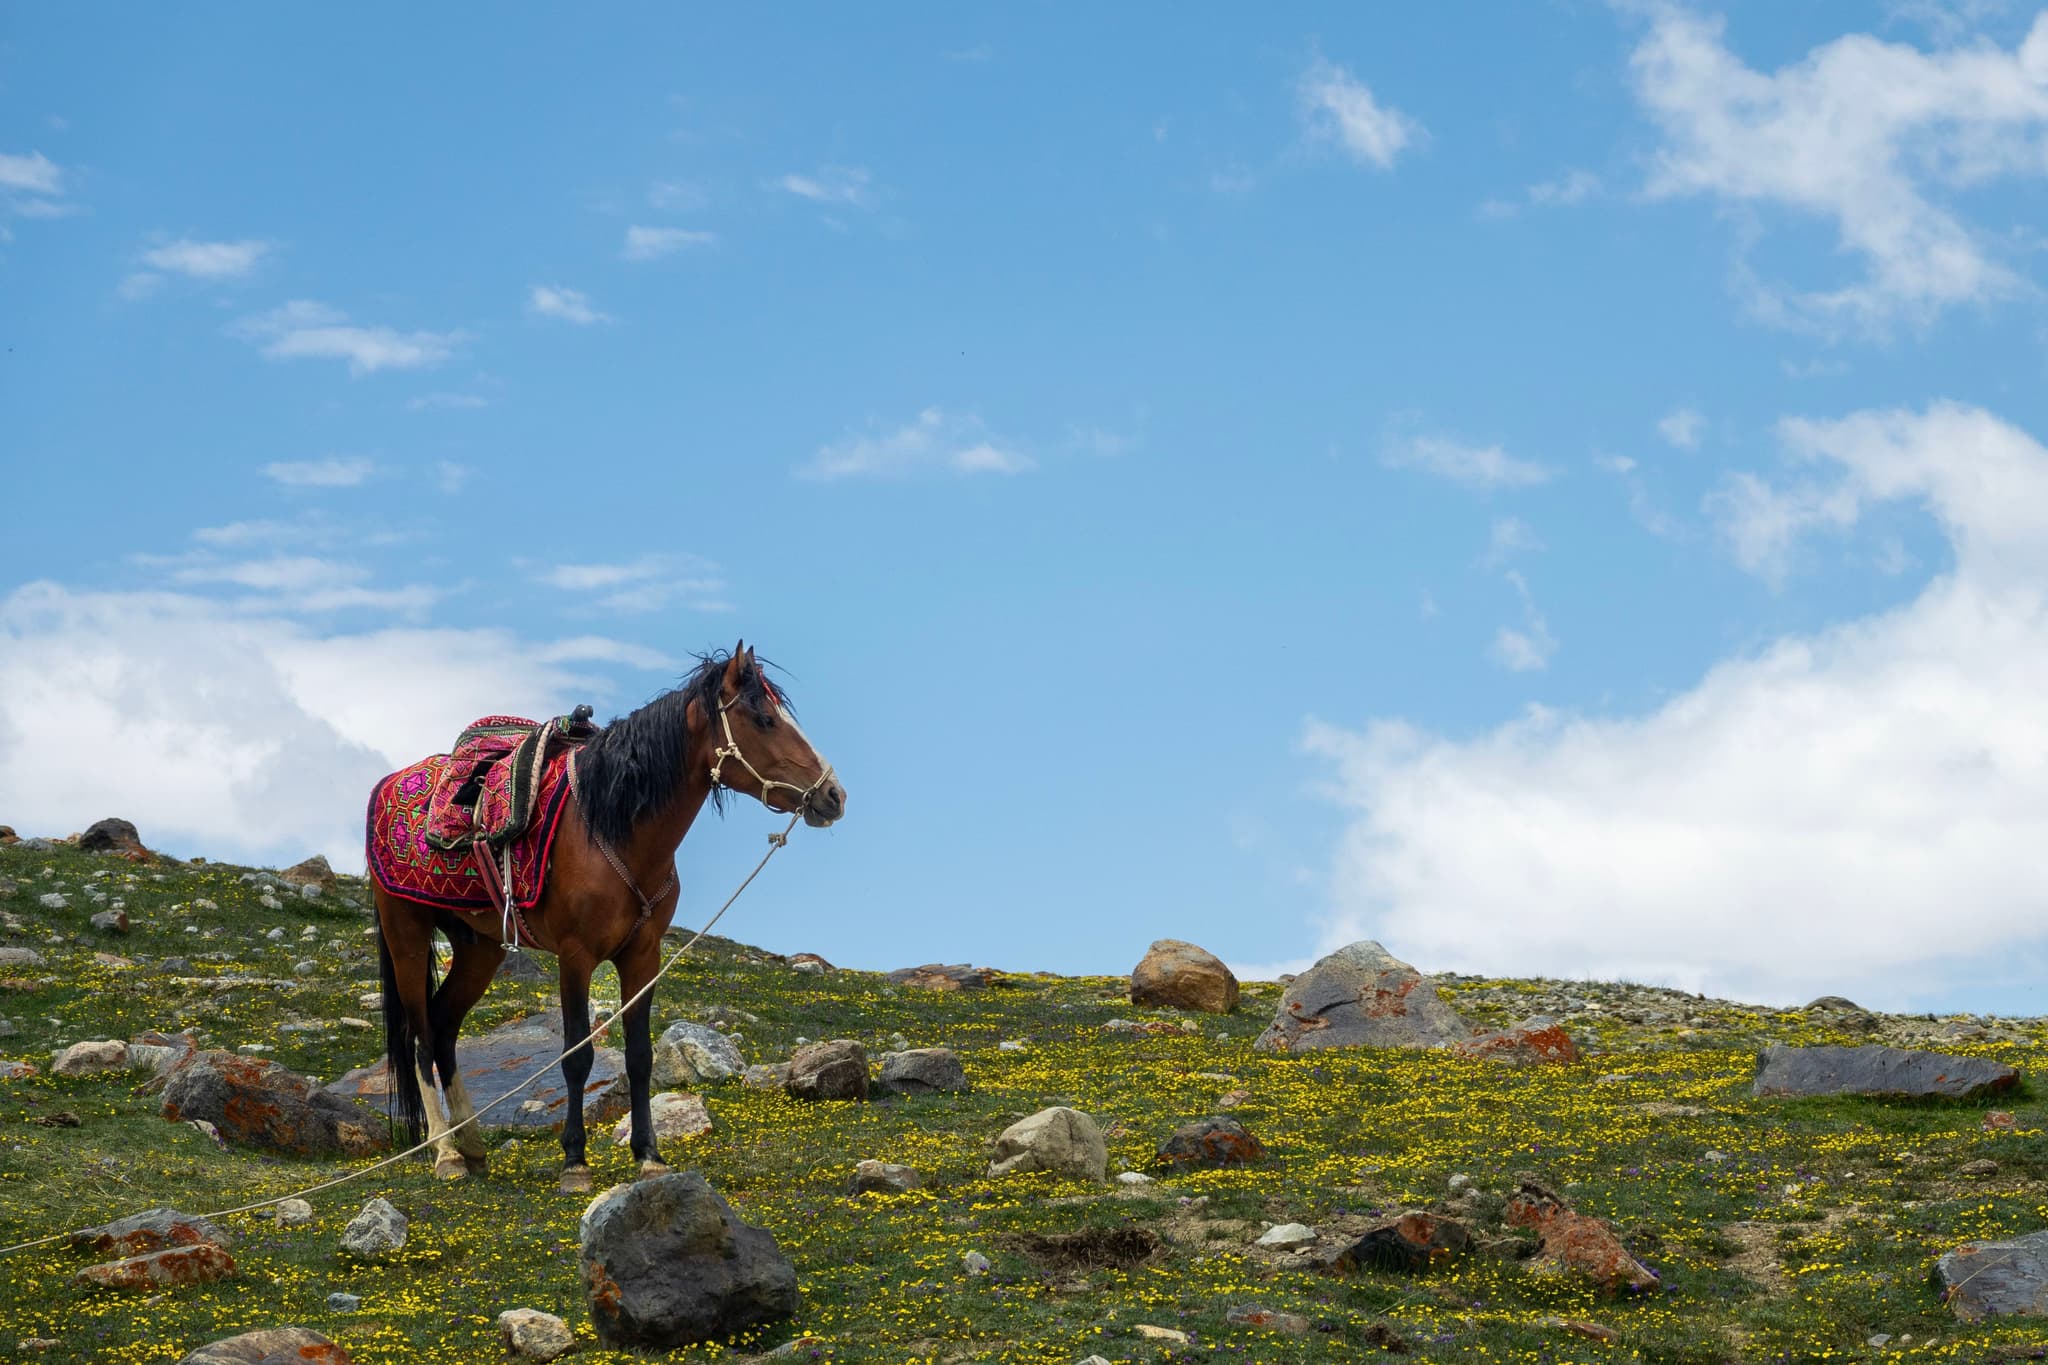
833 1070
261 1104
113 836
1891 1072
376 1231
274 1346
312 872
667 1263
1361 996
1576 1240
1996 1279
674 1114
492 1063
1061 1140
689 1054
1414 1241
922 1071
1179 975
150 1230
1536 1041
940 976
1209 1144
200 1263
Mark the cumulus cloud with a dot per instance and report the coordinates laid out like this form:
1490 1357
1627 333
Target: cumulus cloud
32 186
569 305
335 471
1473 466
935 441
653 243
1878 139
1338 107
242 735
1855 810
303 329
207 260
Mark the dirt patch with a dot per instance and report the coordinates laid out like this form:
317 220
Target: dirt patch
1119 1248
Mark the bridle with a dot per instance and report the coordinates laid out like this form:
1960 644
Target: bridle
731 749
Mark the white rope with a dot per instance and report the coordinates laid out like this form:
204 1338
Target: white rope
776 842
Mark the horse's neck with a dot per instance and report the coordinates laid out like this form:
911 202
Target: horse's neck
652 847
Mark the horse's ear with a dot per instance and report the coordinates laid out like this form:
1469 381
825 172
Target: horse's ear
736 668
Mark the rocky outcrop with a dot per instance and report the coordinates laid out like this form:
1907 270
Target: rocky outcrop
1890 1072
1536 1041
260 1104
667 1263
113 836
1178 975
1361 996
312 872
1061 1140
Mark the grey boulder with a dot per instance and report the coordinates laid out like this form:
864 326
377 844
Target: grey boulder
378 1229
261 1104
834 1070
689 1054
922 1070
274 1346
1061 1140
1788 1072
1361 996
1996 1279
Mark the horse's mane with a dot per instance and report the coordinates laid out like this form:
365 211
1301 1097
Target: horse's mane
633 767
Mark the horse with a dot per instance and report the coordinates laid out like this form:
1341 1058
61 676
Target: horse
635 788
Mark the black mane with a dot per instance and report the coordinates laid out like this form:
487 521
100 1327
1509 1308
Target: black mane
633 767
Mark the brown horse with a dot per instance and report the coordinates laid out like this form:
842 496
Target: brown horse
638 785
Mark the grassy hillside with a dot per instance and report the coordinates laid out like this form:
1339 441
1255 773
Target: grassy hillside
1782 1231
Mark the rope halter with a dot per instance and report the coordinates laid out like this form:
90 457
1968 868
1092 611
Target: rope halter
731 749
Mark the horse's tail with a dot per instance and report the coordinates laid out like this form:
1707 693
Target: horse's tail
401 1044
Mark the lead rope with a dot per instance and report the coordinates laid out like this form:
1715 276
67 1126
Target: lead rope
776 843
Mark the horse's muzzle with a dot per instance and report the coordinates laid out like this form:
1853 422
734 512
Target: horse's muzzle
826 805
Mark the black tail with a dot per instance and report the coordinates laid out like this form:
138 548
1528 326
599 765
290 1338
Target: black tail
401 1046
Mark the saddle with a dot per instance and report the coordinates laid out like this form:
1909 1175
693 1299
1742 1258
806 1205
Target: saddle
486 795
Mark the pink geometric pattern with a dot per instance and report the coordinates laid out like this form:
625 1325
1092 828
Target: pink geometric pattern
404 863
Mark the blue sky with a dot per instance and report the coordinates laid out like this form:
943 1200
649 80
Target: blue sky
1556 492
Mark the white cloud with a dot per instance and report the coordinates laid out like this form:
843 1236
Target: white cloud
335 471
652 243
280 573
31 174
1473 466
1508 537
648 583
850 185
1871 136
303 329
238 735
1339 107
935 441
677 196
1573 187
570 305
1682 428
453 401
207 260
237 533
1529 647
452 477
1798 821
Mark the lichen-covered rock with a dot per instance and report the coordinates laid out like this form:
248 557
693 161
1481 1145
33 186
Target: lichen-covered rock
200 1263
1414 1241
939 976
1536 1041
261 1104
150 1230
689 1054
1179 975
833 1070
667 1263
1061 1140
922 1071
528 1334
378 1230
273 1346
1361 996
1996 1279
1573 1239
1892 1072
1209 1144
492 1063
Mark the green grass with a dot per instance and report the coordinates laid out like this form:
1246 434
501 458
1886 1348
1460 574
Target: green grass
1817 1230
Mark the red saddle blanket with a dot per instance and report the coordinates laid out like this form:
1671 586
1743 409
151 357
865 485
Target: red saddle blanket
418 801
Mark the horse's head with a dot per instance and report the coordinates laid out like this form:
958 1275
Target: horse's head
760 752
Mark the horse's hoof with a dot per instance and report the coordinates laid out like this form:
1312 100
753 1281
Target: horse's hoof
450 1168
650 1169
476 1165
576 1180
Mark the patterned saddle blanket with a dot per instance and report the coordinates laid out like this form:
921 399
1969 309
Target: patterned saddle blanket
499 795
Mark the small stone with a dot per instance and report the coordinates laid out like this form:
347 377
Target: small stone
1999 1119
111 921
1062 1140
275 935
1173 1336
674 1115
1717 1157
882 1177
974 1263
1414 1241
690 1054
309 892
305 968
17 1071
292 1213
1134 1178
1878 1339
1287 1235
378 1229
1011 1045
528 1334
834 1070
339 1302
20 957
52 900
1982 1166
1287 1324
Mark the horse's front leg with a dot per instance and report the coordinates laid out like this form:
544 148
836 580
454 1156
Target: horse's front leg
636 968
576 1066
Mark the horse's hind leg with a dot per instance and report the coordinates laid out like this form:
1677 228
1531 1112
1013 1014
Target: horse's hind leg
475 966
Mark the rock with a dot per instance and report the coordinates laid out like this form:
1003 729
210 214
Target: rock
1287 1324
111 921
276 1346
1286 1235
1172 1336
112 836
292 1213
378 1229
1533 1042
150 1230
1996 1279
835 1070
1061 1140
528 1334
1835 1004
882 1177
312 872
492 1063
1134 1179
261 1104
339 1302
1361 996
522 966
667 1263
1210 1143
674 1115
765 1076
811 963
1998 1120
923 1070
1178 975
1570 1238
305 968
17 1071
1414 1241
53 900
86 1059
1982 1167
20 957
974 1263
689 1054
1885 1071
937 976
199 1263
